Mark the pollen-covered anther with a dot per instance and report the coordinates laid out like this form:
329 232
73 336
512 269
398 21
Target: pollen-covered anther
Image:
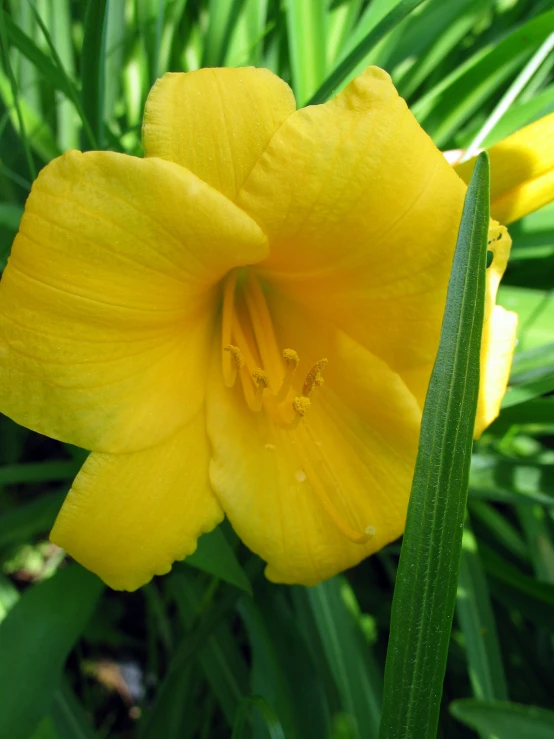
301 405
231 368
290 359
261 382
260 378
314 378
236 356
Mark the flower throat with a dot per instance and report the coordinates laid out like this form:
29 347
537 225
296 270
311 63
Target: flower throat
250 351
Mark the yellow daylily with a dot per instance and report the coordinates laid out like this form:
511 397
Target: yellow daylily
242 322
522 171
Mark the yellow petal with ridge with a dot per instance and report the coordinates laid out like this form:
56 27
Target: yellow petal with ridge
130 516
299 497
499 334
362 214
215 122
107 305
522 171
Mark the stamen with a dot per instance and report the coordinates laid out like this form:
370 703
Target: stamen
237 363
290 360
314 378
262 324
229 370
241 339
260 378
301 405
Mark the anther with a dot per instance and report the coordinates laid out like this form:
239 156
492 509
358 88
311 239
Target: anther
237 363
314 378
260 378
261 381
236 356
301 405
290 360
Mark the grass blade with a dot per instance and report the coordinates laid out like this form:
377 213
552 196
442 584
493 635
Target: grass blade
506 720
390 21
219 655
92 63
272 723
356 674
476 619
306 29
35 639
425 592
215 556
5 57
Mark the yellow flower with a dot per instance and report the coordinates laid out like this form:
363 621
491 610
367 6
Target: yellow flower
243 322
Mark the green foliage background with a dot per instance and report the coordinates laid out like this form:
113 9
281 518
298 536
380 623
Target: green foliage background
213 650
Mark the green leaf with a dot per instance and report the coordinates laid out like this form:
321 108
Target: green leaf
10 216
15 474
173 705
425 591
358 678
535 309
535 412
69 716
219 655
476 618
39 59
6 62
9 595
93 71
512 480
214 556
272 723
21 524
499 569
460 94
35 639
505 720
269 676
307 30
390 21
222 16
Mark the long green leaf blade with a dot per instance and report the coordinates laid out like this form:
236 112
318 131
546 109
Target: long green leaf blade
93 71
425 592
390 21
505 720
476 618
35 640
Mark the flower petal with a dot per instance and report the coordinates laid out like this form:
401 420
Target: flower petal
291 493
499 334
108 302
130 516
362 213
522 171
215 122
